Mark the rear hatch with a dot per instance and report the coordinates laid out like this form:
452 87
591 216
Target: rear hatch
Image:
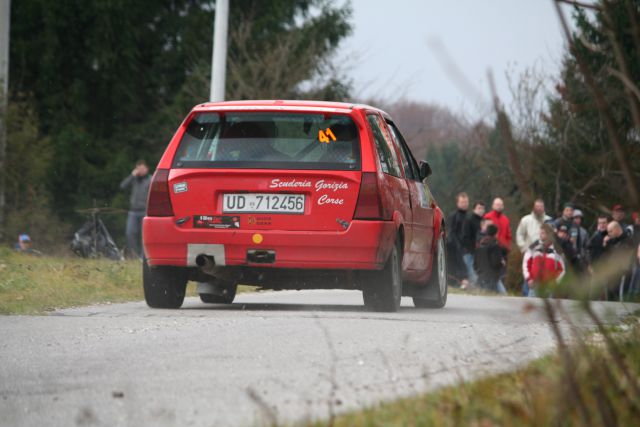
296 171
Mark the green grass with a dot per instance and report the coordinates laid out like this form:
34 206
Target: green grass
33 285
537 395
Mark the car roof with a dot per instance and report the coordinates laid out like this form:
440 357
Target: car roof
326 106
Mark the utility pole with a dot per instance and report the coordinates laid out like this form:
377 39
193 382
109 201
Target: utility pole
219 54
5 19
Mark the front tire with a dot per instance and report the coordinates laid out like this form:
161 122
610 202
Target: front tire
438 280
164 286
382 290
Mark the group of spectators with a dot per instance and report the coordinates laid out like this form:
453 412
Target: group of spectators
478 244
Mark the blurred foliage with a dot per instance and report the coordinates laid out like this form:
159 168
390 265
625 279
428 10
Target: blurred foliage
106 82
29 157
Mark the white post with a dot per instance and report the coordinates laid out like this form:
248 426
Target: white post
5 19
219 55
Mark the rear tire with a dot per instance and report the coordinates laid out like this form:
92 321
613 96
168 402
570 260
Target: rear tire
438 280
382 290
227 294
164 286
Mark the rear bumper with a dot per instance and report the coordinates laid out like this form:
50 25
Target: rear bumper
363 245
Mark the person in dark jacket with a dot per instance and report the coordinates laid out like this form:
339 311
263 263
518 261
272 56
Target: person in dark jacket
619 214
635 227
634 289
581 241
567 247
455 228
596 241
470 238
139 181
618 248
566 218
489 260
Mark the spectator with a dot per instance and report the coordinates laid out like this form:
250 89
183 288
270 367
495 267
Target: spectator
528 230
596 242
568 249
618 246
489 260
454 238
470 238
581 241
139 182
24 245
619 215
635 217
566 218
543 262
634 286
501 221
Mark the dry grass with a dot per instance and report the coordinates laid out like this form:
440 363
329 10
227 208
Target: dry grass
33 285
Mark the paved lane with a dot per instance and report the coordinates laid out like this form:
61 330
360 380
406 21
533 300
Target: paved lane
285 355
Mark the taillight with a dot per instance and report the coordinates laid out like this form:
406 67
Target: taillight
159 202
369 205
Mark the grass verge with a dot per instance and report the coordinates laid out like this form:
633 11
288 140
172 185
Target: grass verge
592 390
33 285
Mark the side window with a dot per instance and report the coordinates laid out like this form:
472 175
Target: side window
411 170
384 147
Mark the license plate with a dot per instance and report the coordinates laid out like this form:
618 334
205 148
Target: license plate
263 203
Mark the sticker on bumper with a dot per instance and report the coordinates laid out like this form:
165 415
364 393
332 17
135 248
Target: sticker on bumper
180 187
216 221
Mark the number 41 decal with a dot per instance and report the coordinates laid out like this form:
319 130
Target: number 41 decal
324 135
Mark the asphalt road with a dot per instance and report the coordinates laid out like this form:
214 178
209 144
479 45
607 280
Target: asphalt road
283 355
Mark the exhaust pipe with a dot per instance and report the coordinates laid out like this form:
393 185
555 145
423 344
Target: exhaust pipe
206 263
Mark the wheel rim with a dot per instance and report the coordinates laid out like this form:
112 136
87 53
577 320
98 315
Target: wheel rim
442 268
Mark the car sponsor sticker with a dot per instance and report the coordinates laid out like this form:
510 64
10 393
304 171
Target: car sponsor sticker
331 185
216 221
326 200
259 220
289 183
180 187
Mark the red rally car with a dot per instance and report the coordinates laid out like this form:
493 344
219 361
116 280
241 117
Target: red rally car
292 195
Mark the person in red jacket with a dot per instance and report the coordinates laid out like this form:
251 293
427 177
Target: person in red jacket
501 221
543 262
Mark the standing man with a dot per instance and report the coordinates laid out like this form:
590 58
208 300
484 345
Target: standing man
619 215
139 181
596 242
528 232
454 238
581 241
470 240
566 218
489 260
618 247
501 221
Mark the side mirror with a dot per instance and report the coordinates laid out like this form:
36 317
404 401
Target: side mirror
425 170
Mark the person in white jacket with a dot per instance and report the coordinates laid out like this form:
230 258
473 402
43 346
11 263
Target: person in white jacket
529 231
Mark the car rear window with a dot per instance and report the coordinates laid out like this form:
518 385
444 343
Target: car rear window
268 140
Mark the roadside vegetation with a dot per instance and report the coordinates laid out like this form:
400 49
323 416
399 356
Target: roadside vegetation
593 383
30 284
37 284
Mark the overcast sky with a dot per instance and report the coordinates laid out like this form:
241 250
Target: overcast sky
405 48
